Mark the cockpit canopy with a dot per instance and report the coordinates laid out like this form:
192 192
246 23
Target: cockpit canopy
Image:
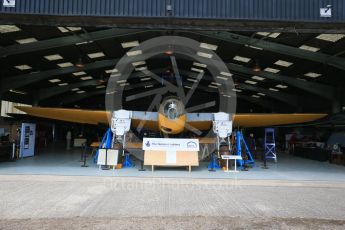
172 108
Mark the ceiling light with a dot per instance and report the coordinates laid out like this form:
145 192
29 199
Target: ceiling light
241 59
8 29
65 64
124 84
312 75
250 82
261 94
223 78
226 74
134 53
68 29
75 89
138 63
330 37
23 67
197 70
129 44
145 79
283 63
216 83
79 63
100 86
54 80
192 79
256 67
81 91
86 78
188 87
268 34
148 86
26 40
281 86
204 55
213 86
272 70
237 90
208 46
111 71
79 73
17 91
309 48
141 68
121 81
224 95
258 78
96 55
62 84
253 47
83 43
256 96
199 64
53 57
274 89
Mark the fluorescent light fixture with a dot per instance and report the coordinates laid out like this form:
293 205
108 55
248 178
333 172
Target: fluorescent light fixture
129 44
145 79
283 63
216 83
224 95
65 64
121 81
213 86
261 94
62 84
26 40
83 43
134 53
208 46
237 90
148 86
281 86
309 48
271 70
253 47
79 73
197 70
75 89
100 86
138 63
111 92
96 55
226 74
251 82
258 78
199 64
268 34
55 80
68 29
17 91
330 37
274 89
111 71
81 91
192 79
188 87
23 67
241 59
124 84
53 57
141 68
8 29
204 55
256 96
223 78
86 78
312 75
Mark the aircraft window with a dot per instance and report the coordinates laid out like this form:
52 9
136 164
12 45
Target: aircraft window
170 111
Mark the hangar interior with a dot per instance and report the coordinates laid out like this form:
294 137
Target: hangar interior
274 72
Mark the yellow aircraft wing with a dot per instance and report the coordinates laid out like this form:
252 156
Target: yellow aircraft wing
97 117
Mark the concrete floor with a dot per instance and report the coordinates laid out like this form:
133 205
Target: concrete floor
52 191
58 161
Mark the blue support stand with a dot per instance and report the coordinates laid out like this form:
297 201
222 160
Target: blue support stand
270 145
213 165
105 143
239 141
127 161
